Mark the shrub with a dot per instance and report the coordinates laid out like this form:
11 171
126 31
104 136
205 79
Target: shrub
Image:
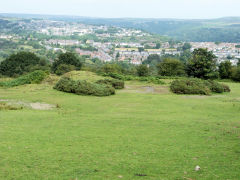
197 86
115 83
226 88
35 77
214 86
66 84
94 89
189 87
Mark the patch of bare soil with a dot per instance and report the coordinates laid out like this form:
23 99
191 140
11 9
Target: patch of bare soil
42 106
36 105
146 89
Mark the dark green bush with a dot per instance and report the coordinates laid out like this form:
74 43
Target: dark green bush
115 83
66 84
197 86
189 87
214 86
94 89
35 77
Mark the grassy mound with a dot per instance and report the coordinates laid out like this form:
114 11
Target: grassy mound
35 77
83 75
82 87
198 86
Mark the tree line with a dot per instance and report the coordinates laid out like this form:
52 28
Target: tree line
201 63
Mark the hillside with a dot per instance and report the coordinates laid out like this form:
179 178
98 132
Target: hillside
216 30
136 134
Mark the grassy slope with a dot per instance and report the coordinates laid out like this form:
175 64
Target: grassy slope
161 135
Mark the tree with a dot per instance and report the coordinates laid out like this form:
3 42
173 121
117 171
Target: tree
140 49
152 59
111 68
171 67
67 58
18 64
225 69
186 46
236 73
158 45
142 70
202 64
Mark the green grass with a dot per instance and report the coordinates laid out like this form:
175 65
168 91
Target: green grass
163 136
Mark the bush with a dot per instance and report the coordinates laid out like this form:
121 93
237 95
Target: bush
226 88
189 87
197 86
35 77
66 84
115 83
94 89
214 86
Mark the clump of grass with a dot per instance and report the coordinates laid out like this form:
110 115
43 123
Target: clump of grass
35 77
5 106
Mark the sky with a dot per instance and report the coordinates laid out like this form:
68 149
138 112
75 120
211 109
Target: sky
181 9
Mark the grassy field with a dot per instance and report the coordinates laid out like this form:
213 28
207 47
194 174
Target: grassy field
135 134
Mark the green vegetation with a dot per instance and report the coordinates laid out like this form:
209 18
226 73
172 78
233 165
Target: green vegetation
35 77
171 67
80 87
117 84
66 62
159 135
18 64
197 86
202 64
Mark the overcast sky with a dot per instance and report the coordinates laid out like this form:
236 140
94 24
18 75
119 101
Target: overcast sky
190 9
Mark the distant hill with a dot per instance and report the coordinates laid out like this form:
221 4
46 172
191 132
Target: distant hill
217 30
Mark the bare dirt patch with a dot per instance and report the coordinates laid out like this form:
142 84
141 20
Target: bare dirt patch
36 105
146 89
